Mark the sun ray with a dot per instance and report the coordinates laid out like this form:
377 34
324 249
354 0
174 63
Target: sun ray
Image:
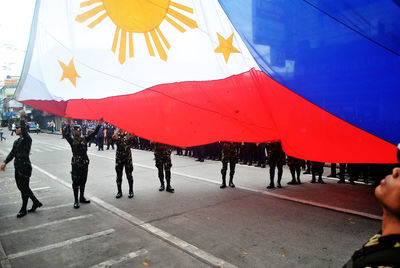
182 7
149 46
130 45
97 21
160 49
176 25
90 2
122 47
182 18
116 36
88 14
163 38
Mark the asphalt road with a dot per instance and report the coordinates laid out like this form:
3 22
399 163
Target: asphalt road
199 225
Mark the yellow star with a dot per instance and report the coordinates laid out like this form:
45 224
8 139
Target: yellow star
69 71
226 47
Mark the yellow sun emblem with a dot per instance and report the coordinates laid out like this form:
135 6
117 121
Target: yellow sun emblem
138 16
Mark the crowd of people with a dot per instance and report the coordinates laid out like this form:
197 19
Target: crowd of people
382 249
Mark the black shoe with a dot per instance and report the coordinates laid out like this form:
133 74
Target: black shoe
231 184
162 188
352 183
21 213
84 200
306 172
76 204
341 181
331 176
222 186
35 206
170 189
313 181
292 182
321 181
119 195
298 182
130 195
262 166
271 186
279 185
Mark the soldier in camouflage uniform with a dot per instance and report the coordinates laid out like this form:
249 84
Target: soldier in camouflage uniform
123 158
229 153
295 168
22 164
277 159
162 153
80 160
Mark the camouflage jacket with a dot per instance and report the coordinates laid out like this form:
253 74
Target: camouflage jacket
124 141
230 150
162 150
21 149
79 146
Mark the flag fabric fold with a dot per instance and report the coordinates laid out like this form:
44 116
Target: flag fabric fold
188 73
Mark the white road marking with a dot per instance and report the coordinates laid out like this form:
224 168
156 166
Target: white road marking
60 244
45 225
35 189
42 208
183 245
4 262
120 259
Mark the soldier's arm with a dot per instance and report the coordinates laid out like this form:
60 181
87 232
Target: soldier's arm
10 156
67 132
24 130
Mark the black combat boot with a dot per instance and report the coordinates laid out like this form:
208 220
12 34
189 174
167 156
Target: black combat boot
313 179
76 202
22 211
320 180
293 181
119 193
223 185
231 182
130 189
271 180
82 198
35 206
162 186
169 188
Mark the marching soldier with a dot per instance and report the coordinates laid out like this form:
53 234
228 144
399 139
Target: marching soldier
80 159
123 158
22 164
162 153
277 159
229 155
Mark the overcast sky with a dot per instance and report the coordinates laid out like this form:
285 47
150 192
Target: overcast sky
15 23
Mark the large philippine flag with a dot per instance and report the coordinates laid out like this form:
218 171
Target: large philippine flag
323 78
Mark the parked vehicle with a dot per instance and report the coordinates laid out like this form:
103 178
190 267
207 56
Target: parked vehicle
32 127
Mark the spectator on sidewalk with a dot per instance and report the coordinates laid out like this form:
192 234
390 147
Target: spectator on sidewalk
12 129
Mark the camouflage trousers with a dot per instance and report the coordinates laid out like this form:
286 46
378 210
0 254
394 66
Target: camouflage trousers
79 175
163 162
119 167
